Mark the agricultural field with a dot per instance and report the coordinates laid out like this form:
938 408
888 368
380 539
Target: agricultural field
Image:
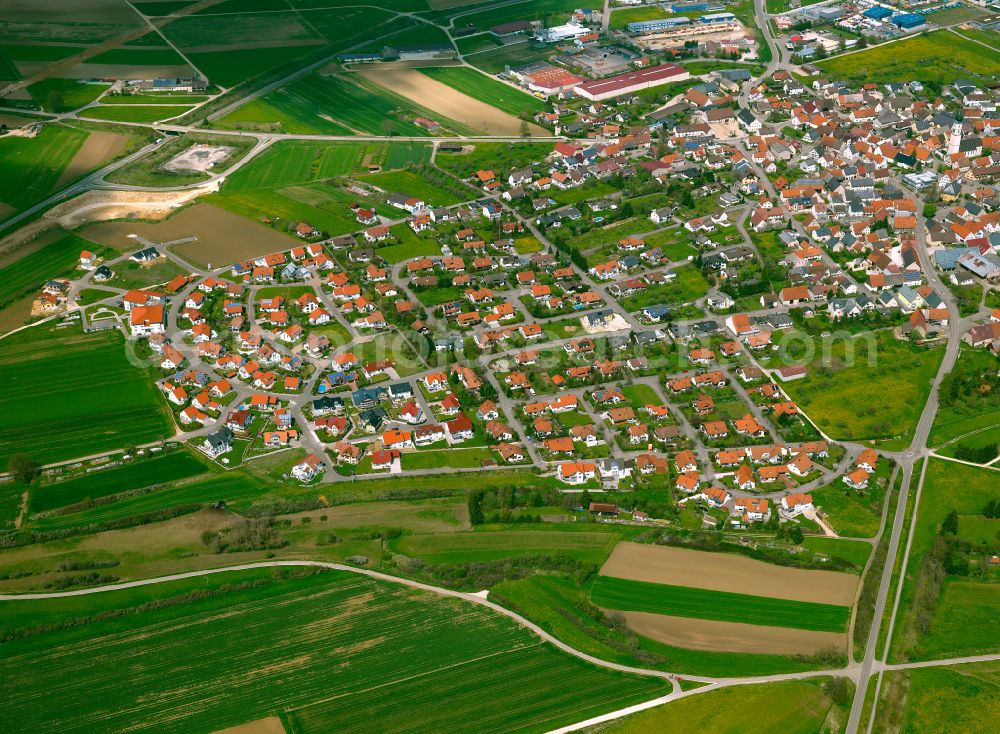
330 105
408 182
491 545
479 86
301 622
451 105
962 602
844 373
33 166
684 601
795 707
79 391
159 469
940 57
134 113
515 54
938 700
61 95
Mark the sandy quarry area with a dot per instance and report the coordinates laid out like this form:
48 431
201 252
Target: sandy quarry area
98 148
270 725
199 157
448 102
703 634
728 572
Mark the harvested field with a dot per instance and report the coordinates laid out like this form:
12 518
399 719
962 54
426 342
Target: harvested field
728 572
705 634
270 725
448 102
223 237
15 314
98 148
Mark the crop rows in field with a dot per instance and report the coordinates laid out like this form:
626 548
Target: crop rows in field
77 391
479 86
51 261
625 595
327 652
160 469
32 166
229 487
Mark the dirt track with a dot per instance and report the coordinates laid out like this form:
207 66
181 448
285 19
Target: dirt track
728 572
703 634
448 102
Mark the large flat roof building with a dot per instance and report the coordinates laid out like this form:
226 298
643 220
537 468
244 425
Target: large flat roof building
632 81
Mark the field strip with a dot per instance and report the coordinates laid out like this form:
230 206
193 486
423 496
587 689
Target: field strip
715 636
660 564
412 677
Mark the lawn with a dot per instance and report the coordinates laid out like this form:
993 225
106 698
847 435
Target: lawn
79 392
57 259
863 388
159 469
791 707
960 624
625 595
425 649
412 184
491 545
134 113
939 57
856 552
73 93
455 458
487 89
688 286
850 513
33 166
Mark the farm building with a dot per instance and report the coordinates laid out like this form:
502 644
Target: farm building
632 81
505 30
716 18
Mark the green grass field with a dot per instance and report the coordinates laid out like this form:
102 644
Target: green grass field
32 52
73 92
33 166
961 621
234 66
57 259
940 56
457 458
845 374
952 699
491 545
791 707
485 88
639 596
854 551
134 113
425 649
408 182
159 469
67 394
139 56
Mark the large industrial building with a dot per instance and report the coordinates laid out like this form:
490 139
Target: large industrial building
648 26
633 81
